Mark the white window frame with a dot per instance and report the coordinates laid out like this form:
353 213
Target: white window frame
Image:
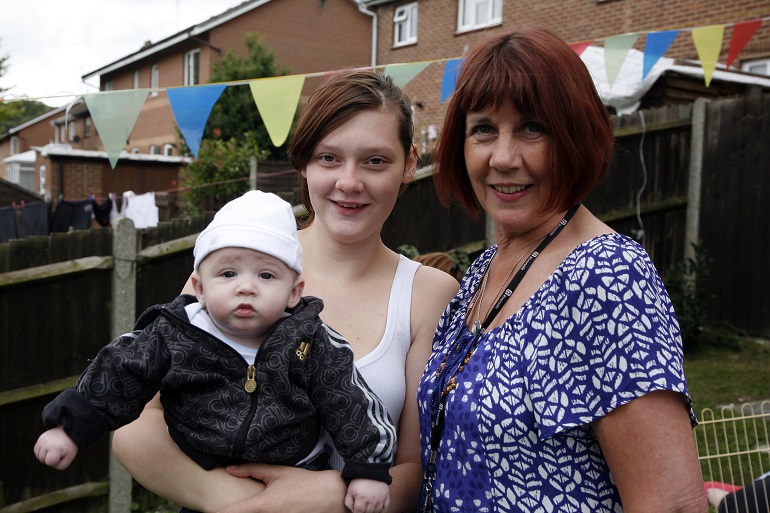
136 79
154 80
405 24
154 149
476 14
191 67
71 131
109 85
747 65
14 144
87 123
168 149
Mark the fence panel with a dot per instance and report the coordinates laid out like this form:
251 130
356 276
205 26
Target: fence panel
735 210
51 326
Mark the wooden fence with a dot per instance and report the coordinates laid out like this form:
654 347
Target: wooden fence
681 174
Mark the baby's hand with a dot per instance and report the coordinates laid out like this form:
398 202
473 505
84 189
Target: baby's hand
367 496
56 449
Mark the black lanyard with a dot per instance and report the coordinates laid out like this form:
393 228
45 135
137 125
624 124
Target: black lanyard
438 400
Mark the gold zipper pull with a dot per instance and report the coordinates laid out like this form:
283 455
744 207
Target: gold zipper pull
303 351
251 384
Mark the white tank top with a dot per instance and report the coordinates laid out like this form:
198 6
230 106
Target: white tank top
384 369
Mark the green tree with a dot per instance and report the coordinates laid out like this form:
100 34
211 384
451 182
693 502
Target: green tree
235 113
220 173
17 112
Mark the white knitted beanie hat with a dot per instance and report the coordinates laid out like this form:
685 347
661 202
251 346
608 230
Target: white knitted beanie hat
257 220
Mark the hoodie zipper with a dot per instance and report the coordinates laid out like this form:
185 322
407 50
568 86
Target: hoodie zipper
240 440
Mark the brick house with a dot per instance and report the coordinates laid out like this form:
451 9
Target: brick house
426 30
305 36
60 153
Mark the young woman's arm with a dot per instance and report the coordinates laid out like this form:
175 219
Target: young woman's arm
146 450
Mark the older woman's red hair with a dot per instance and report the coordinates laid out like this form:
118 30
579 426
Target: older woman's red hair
535 70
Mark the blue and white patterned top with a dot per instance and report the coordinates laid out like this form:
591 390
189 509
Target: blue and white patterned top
598 333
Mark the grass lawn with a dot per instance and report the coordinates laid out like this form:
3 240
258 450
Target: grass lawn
728 370
723 371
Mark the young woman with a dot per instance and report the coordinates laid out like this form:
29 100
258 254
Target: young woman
353 148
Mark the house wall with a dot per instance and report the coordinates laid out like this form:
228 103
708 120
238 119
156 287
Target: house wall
574 20
37 134
76 178
304 37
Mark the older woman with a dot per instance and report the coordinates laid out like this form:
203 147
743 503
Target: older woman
556 382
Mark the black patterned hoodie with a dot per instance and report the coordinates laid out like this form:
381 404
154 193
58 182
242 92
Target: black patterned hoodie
305 380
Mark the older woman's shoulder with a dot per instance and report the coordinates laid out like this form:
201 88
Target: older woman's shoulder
611 252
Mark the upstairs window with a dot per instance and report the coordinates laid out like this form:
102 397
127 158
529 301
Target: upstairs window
109 85
191 67
136 79
88 127
154 149
475 14
760 66
14 144
168 149
154 80
405 25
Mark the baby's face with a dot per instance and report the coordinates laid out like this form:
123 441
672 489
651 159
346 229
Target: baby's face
245 291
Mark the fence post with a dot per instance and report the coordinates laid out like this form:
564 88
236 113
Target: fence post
697 142
253 173
123 317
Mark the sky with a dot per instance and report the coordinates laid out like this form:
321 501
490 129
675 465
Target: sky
51 44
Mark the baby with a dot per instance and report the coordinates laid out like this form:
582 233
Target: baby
247 370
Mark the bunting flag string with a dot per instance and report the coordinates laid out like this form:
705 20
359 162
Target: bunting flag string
115 112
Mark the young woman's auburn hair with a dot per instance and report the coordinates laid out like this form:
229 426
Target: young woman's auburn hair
545 80
337 101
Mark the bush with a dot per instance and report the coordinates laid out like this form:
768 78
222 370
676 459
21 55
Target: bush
684 283
219 174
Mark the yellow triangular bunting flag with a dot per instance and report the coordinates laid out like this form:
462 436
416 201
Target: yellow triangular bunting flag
277 99
708 43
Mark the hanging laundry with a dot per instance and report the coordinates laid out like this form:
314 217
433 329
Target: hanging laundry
34 219
103 212
8 224
116 214
141 209
72 215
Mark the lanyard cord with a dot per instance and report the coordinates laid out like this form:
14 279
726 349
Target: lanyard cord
455 356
